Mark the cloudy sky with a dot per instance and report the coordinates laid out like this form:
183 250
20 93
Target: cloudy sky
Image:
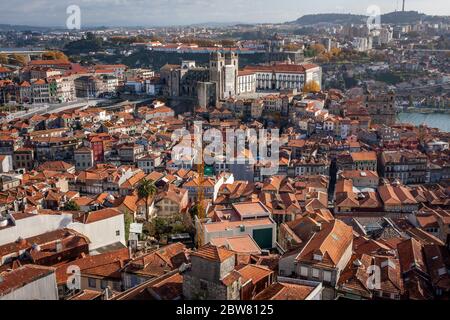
177 12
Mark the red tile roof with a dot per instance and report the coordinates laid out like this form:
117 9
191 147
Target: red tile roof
4 70
331 242
254 273
86 295
213 253
285 291
107 264
239 244
22 276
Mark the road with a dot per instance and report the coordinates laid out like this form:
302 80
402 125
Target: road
53 108
428 50
82 104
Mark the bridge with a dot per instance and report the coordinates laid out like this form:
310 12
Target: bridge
81 104
27 53
428 50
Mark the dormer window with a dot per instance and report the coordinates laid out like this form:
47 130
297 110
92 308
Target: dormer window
318 257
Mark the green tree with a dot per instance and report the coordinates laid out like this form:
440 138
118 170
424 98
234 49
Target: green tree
85 45
72 206
157 227
146 190
128 221
179 227
90 36
194 211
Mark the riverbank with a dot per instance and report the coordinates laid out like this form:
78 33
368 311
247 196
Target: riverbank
432 120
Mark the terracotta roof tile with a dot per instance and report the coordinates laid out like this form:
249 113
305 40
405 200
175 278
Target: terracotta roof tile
22 276
213 253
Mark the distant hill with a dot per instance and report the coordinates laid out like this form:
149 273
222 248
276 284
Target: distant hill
392 17
215 24
333 18
22 28
10 27
403 17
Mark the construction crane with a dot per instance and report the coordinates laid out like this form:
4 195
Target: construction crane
201 211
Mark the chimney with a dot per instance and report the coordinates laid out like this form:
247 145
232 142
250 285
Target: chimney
21 241
318 227
36 247
107 294
403 7
58 245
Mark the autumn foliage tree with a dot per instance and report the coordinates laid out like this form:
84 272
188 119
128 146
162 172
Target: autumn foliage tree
335 51
18 59
311 86
54 55
327 56
318 48
228 43
292 47
157 39
3 58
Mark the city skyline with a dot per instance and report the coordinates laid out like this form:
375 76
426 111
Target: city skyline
129 13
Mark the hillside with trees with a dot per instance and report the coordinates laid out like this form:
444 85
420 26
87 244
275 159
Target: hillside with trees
333 18
397 17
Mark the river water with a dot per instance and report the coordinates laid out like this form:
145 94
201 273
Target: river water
20 49
432 120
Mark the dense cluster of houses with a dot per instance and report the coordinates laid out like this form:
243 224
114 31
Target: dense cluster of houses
60 81
351 196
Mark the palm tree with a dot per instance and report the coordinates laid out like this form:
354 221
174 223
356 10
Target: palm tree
146 190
